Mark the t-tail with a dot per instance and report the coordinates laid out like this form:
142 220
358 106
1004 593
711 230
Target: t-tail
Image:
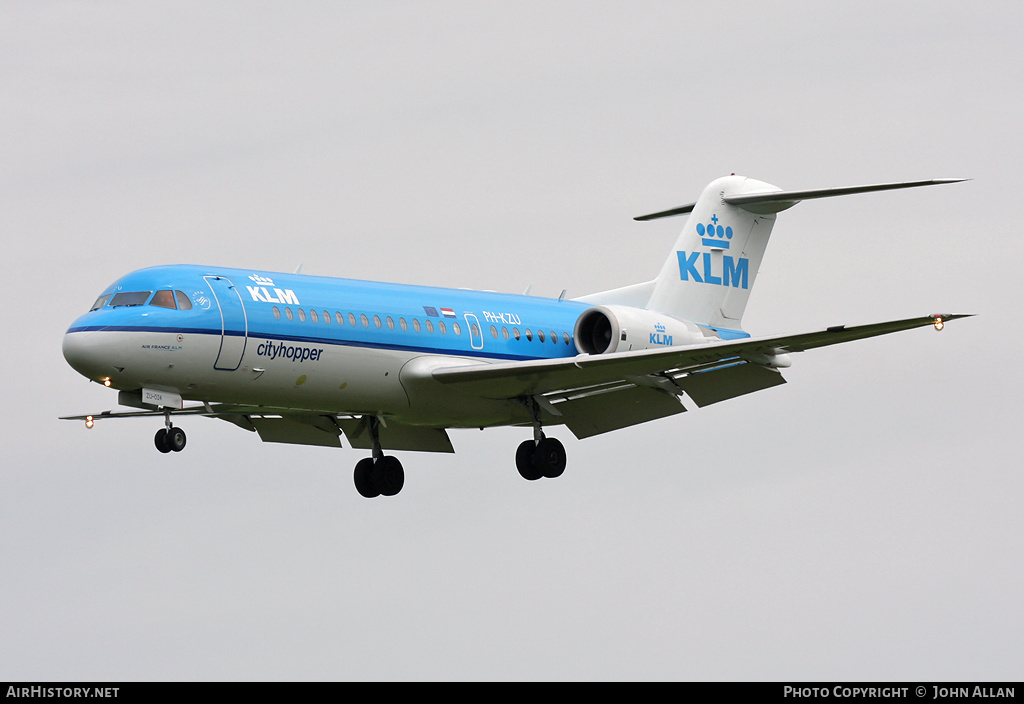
709 275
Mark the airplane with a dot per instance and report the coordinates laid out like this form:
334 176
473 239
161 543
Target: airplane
306 359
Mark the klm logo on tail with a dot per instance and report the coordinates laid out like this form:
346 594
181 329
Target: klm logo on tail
732 272
714 235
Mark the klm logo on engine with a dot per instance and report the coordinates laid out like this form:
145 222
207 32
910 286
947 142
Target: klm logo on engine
658 337
702 266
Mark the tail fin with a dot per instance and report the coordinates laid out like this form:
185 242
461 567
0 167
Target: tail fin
709 276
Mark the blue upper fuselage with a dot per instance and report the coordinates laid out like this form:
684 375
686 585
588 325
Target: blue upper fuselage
254 307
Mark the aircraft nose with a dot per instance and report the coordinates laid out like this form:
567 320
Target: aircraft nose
84 351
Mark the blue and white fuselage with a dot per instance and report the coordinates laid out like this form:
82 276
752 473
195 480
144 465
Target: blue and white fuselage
317 343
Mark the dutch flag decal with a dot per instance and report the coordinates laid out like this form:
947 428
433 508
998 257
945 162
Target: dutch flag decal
448 312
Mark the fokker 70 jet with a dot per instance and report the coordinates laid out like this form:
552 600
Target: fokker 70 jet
307 359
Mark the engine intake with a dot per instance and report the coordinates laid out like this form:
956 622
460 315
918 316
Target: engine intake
595 332
606 329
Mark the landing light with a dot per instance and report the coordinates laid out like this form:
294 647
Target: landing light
88 422
106 382
938 322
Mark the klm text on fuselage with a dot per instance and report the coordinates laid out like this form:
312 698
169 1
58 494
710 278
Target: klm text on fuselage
733 272
260 293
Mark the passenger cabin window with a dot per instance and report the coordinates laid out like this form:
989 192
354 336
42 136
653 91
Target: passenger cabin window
163 299
129 298
340 318
277 312
313 316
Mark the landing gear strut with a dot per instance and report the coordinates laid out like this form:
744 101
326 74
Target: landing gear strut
380 475
169 438
542 456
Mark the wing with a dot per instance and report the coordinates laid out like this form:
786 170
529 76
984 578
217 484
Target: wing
590 394
593 394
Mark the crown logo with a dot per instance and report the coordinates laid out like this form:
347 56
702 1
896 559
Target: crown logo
714 235
261 280
658 327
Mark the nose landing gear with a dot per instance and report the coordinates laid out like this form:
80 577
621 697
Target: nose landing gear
169 438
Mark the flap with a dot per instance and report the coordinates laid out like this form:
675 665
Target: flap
720 384
395 436
308 431
607 410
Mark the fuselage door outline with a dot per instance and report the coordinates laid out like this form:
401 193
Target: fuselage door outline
476 333
233 319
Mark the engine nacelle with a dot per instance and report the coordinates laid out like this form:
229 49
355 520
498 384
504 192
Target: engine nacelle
604 329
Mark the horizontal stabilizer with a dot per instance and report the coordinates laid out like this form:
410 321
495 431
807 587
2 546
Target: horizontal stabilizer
681 210
776 201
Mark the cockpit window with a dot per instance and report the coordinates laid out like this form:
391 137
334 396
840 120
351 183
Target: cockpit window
129 298
163 299
184 303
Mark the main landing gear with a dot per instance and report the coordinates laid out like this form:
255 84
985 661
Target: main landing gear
169 438
380 475
542 456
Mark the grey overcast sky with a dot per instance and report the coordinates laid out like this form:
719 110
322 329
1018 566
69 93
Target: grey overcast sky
861 522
